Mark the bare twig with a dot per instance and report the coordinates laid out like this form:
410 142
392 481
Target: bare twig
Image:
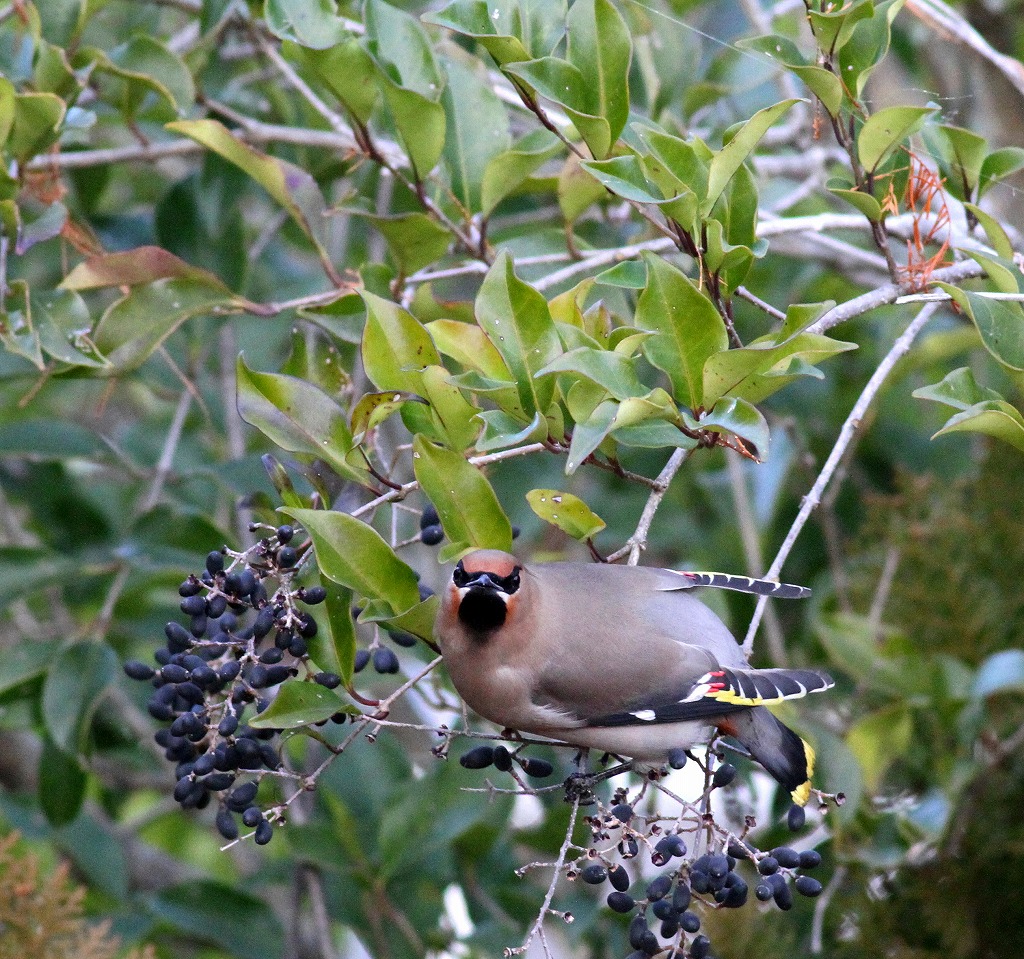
889 293
638 541
846 436
750 537
821 906
538 926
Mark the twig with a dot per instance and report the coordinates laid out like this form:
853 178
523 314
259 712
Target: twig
406 488
818 923
638 541
889 293
951 25
163 467
882 591
538 926
750 537
846 436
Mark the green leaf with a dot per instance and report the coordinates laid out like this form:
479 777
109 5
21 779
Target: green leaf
994 231
824 84
414 240
147 66
396 346
421 124
1000 323
560 81
75 684
963 153
653 434
354 554
743 372
347 70
739 418
732 156
333 648
454 415
599 46
613 371
625 176
507 171
300 703
864 202
879 739
291 186
62 783
516 319
226 916
397 39
630 274
478 131
957 389
589 435
35 125
373 408
569 513
134 326
467 505
467 344
495 24
885 130
998 165
833 28
296 416
311 23
412 82
689 328
502 430
867 46
419 621
26 660
994 418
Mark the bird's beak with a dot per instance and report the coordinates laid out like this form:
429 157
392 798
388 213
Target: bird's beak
483 581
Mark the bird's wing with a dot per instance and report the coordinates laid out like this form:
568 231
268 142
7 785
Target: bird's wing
681 579
720 692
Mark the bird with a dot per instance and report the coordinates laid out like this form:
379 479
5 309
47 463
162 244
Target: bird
620 659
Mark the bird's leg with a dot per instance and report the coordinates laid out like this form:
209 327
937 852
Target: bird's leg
579 761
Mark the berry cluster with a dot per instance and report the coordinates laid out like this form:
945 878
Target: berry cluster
666 913
219 669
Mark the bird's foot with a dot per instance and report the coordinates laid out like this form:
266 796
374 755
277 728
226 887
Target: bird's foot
581 785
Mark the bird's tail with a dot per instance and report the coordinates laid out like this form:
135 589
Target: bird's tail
787 757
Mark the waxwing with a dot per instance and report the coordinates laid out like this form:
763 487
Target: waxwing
621 659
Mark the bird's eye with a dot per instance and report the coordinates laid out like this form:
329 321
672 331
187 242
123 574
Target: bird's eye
459 577
511 582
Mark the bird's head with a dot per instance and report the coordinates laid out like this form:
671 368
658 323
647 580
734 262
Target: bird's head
484 590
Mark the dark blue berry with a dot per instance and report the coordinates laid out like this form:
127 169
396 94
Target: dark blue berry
594 874
313 595
478 758
137 670
432 535
384 660
620 901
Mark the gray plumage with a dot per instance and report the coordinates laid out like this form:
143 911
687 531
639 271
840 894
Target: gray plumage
604 656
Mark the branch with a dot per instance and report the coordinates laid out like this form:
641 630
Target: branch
538 925
638 541
890 293
846 436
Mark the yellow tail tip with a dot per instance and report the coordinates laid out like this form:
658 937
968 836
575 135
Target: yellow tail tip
803 792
